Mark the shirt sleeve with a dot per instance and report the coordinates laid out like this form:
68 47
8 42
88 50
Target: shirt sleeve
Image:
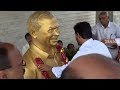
57 71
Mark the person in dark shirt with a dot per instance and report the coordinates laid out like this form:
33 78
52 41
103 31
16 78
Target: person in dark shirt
70 51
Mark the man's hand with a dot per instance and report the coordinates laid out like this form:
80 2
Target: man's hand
110 42
103 40
44 67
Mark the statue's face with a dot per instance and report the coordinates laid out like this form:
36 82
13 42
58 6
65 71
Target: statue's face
48 32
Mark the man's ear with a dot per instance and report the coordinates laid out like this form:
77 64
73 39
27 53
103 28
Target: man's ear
78 35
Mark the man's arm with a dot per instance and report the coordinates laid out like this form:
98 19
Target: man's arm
117 39
58 70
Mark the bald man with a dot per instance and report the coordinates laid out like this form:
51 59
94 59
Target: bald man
14 58
4 63
92 66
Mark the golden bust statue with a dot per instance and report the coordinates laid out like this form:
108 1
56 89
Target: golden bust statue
43 27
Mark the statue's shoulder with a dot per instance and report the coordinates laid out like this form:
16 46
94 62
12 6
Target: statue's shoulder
27 55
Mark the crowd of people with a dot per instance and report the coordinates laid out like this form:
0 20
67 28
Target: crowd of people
44 56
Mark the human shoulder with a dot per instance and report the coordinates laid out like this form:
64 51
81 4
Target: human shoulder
96 26
27 56
100 45
97 42
114 24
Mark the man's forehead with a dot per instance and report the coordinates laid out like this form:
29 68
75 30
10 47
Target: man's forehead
103 15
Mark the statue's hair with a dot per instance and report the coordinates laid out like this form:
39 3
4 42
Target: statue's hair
35 17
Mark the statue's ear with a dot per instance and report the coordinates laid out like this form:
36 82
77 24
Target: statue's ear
33 33
78 35
34 29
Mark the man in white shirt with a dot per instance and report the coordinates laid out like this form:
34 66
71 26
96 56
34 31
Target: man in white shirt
29 40
107 32
83 36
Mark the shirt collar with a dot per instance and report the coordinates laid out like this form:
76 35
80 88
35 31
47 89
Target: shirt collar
109 25
37 50
86 43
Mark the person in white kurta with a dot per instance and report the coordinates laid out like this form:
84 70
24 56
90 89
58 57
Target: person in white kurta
107 32
83 36
88 47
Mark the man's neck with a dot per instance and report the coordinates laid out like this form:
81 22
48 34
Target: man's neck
84 40
106 25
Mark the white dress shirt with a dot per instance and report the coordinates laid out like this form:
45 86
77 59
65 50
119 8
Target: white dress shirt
112 31
25 48
88 47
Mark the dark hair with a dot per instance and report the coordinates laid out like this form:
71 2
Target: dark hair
60 41
69 45
36 17
83 29
4 61
26 35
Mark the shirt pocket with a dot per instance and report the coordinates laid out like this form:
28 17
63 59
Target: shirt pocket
111 35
